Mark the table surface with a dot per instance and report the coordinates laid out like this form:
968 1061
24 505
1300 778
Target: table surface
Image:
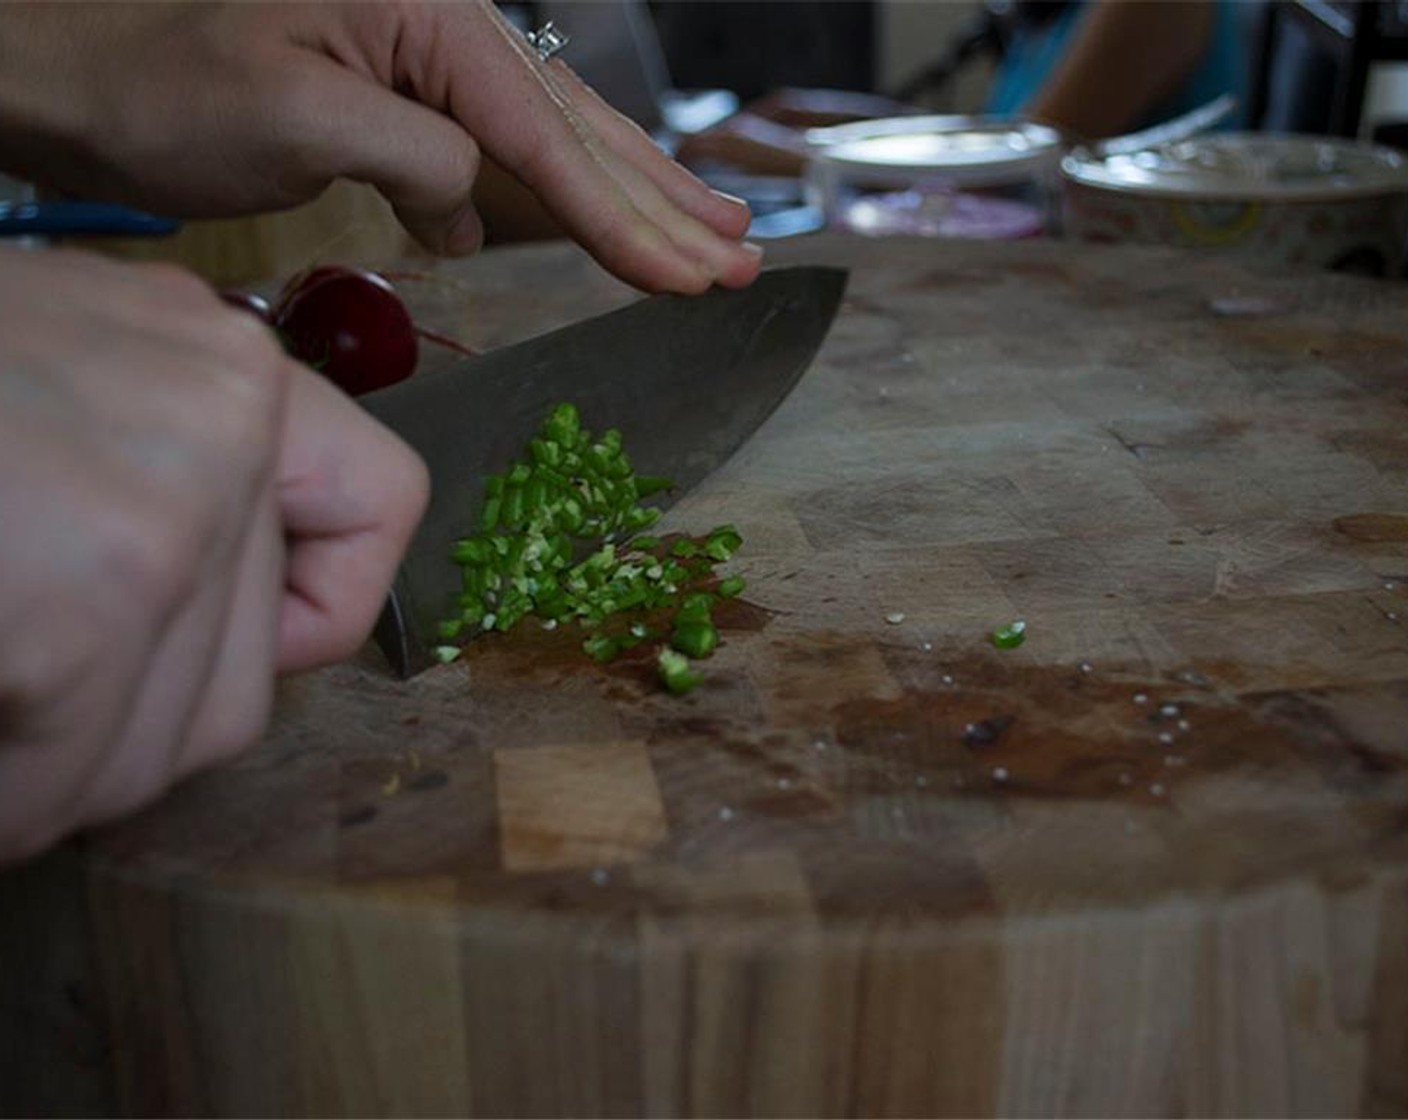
1153 860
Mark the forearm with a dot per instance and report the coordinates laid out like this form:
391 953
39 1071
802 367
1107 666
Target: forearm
1127 56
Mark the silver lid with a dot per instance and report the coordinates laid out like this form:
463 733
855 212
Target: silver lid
962 149
1244 165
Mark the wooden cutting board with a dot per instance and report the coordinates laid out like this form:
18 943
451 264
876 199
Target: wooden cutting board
1154 861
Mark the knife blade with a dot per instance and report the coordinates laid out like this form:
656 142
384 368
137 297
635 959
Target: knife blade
686 379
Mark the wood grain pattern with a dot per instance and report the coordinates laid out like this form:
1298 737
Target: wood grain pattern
587 805
1152 862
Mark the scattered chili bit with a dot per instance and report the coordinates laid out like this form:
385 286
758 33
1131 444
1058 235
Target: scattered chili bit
675 673
1010 636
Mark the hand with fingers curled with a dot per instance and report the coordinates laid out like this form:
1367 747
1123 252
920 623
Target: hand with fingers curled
186 512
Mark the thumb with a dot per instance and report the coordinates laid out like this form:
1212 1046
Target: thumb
421 162
350 496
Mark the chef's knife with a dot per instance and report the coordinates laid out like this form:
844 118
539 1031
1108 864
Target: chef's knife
686 379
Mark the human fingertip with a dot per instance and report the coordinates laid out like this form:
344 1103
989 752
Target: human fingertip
465 234
735 215
688 283
678 273
744 268
459 235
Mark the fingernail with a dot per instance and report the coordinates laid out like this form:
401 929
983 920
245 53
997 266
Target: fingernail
752 248
733 199
466 233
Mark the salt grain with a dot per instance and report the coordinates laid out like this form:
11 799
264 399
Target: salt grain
1140 698
999 774
1157 789
600 876
894 618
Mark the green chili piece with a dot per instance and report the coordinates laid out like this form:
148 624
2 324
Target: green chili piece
512 514
470 550
490 516
723 542
695 638
675 672
601 647
563 424
1010 636
696 604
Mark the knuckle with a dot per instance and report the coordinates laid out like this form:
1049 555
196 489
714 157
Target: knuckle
125 788
534 158
345 637
248 346
241 419
295 108
174 284
413 489
59 660
235 730
151 551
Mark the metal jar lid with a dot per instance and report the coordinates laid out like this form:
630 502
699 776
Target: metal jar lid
1246 165
964 150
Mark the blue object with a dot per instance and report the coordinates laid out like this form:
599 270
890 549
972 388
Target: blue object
1034 53
57 219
